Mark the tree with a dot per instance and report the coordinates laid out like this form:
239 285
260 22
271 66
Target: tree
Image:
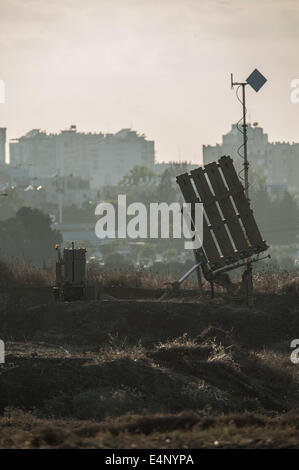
277 219
28 236
170 254
138 174
166 190
78 215
117 260
10 204
147 251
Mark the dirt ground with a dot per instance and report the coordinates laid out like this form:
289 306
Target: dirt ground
180 373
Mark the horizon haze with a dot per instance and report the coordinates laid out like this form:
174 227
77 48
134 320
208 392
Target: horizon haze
161 68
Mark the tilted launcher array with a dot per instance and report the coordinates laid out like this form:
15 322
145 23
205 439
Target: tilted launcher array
231 237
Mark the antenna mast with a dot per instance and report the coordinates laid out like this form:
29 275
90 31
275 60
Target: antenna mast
256 80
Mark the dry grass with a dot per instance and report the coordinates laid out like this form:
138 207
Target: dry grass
266 282
134 279
117 349
122 376
150 374
269 282
24 274
181 342
184 430
20 274
283 282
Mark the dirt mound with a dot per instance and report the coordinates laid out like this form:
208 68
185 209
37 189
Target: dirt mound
91 323
163 431
101 361
181 374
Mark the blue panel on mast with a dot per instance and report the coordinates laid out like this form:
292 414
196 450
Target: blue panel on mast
256 80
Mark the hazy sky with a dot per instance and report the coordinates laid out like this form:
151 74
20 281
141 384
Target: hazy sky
159 66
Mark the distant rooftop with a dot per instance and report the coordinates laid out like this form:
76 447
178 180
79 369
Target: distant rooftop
122 134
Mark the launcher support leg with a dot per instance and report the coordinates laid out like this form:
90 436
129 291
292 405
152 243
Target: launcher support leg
198 274
246 287
212 289
223 279
199 281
